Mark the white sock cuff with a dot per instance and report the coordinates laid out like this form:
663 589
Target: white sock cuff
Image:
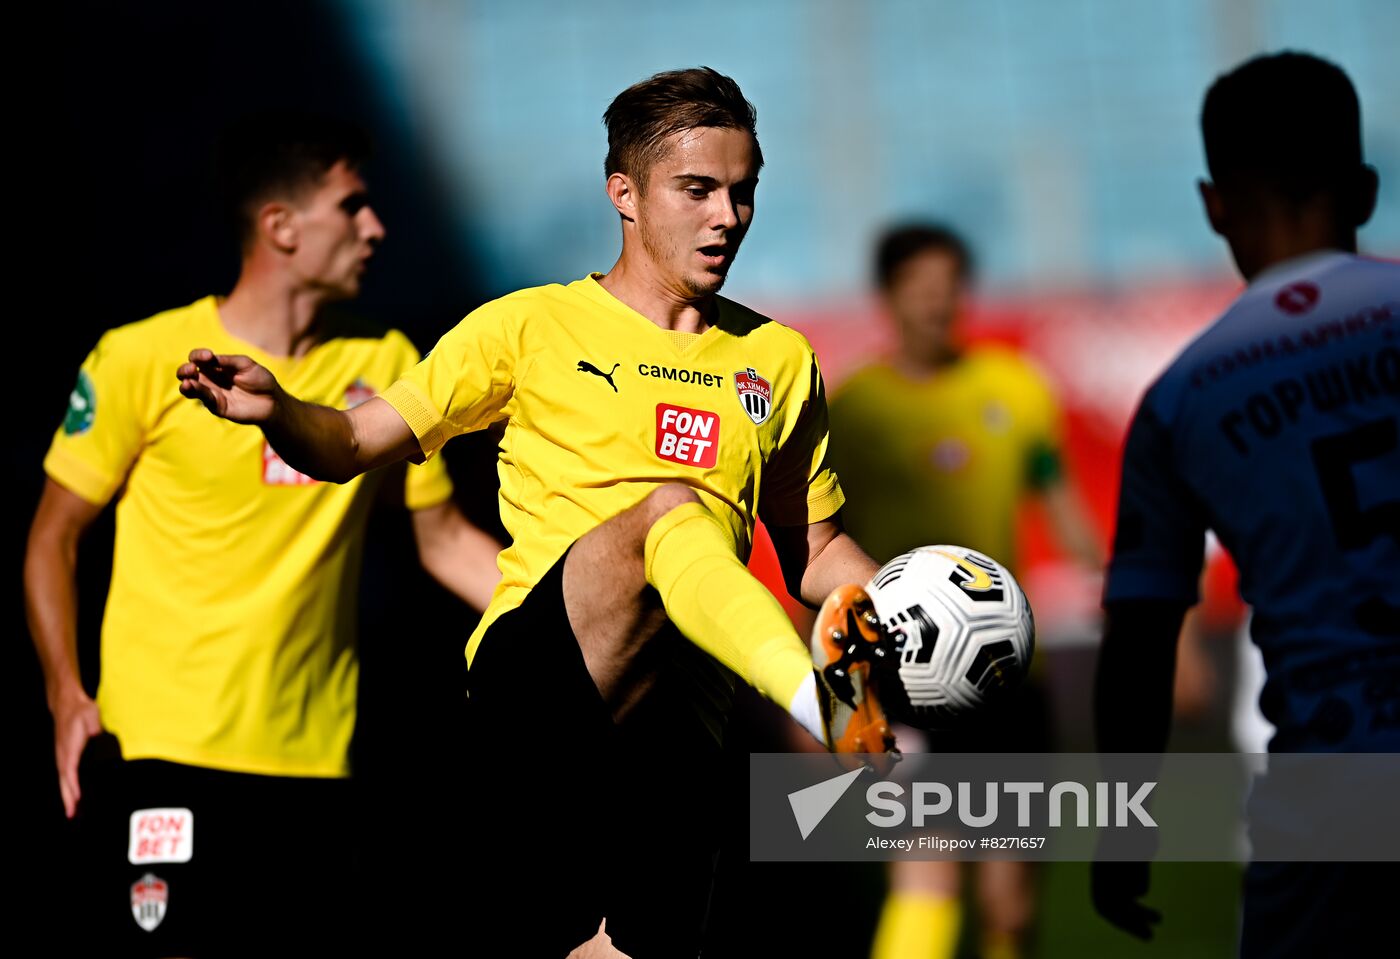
807 710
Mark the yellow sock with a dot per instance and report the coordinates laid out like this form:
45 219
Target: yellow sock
717 604
916 925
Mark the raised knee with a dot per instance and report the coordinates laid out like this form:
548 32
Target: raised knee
667 497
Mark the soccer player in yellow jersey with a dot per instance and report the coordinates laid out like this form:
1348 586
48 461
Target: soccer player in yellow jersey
228 645
939 445
648 421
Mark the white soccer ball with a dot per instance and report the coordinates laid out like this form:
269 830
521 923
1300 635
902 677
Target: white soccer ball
963 630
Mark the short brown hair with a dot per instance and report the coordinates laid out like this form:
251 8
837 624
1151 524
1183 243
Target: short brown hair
278 154
902 243
641 117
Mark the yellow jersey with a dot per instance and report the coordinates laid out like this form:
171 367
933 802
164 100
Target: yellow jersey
229 634
946 458
602 406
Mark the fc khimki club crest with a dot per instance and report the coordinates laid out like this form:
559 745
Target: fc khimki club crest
755 394
149 896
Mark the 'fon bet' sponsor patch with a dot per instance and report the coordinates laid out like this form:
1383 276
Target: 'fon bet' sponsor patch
160 835
688 436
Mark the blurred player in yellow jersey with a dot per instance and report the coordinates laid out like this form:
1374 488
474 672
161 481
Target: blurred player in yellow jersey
229 663
940 444
648 422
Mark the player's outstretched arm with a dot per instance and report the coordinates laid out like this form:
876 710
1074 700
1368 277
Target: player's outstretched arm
323 443
51 607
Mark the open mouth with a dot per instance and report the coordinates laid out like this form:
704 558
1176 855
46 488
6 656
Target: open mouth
716 255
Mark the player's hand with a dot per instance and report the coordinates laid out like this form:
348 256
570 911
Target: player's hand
230 386
1116 889
75 721
599 947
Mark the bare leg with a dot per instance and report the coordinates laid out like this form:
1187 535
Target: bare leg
929 877
1006 905
614 612
671 553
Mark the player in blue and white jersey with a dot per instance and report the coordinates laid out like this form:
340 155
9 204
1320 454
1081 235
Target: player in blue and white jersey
1278 429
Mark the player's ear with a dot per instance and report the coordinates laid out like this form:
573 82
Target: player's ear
1214 204
623 194
277 225
1363 202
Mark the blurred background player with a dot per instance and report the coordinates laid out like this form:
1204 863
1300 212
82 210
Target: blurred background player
229 667
942 443
643 413
1279 429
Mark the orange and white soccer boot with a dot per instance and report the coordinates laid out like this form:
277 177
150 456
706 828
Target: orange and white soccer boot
853 653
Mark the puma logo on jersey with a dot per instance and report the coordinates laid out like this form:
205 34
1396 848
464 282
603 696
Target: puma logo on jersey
586 367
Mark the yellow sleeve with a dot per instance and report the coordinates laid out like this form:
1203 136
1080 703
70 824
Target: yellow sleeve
464 382
800 485
425 484
105 425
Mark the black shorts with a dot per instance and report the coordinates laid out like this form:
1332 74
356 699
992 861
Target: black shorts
180 860
575 817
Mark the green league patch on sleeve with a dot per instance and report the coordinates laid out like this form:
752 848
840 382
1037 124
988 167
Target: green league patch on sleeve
82 406
1044 467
